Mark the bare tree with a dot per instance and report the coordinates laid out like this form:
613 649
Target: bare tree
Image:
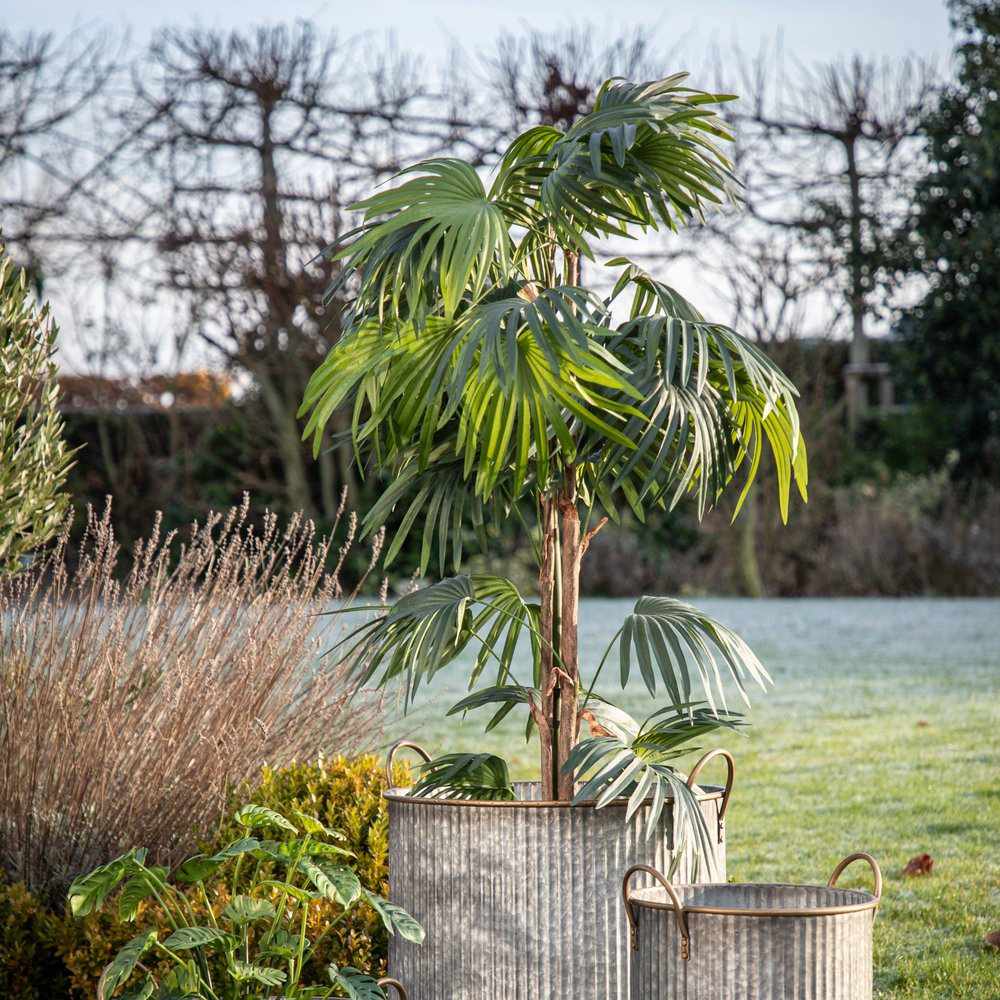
550 77
829 155
49 91
252 144
224 165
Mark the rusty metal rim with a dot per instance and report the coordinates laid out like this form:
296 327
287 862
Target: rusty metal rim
709 792
395 984
729 911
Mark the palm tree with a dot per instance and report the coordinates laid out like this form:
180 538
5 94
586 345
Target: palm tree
487 382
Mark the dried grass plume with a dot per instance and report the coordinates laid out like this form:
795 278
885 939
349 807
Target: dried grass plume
130 705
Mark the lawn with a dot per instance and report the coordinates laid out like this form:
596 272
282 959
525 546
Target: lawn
882 734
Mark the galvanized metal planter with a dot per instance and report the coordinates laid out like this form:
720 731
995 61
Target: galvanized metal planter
755 942
520 899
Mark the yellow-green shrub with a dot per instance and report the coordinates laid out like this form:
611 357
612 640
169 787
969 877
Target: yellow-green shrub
344 794
30 967
347 796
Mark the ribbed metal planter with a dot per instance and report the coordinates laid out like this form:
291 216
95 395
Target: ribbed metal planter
520 900
752 942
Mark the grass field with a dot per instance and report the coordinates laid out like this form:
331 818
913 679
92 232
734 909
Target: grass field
882 734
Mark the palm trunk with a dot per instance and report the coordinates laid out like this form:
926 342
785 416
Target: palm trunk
572 554
559 590
547 717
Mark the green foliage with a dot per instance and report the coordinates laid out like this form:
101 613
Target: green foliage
671 637
261 937
915 441
481 776
629 759
337 794
425 630
34 459
952 337
485 382
30 967
465 357
346 795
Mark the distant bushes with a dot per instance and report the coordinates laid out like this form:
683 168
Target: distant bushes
905 536
915 536
131 703
886 493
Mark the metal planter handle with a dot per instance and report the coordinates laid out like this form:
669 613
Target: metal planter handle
633 918
394 983
394 749
730 777
872 863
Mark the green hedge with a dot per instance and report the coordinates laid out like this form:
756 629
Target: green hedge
30 965
48 955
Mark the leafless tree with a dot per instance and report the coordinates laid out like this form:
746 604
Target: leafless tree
551 77
829 155
251 146
49 92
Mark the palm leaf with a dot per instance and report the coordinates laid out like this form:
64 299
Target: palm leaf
481 776
686 648
424 631
709 400
499 389
435 238
507 696
645 155
633 760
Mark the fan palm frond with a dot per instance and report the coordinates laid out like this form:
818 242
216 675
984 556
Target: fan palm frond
710 399
685 647
645 155
484 777
501 385
633 760
425 630
433 239
507 696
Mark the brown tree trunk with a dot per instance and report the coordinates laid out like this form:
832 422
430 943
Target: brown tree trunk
748 567
571 555
289 442
547 721
859 352
856 385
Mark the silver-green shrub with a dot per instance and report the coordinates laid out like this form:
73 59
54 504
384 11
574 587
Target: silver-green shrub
34 458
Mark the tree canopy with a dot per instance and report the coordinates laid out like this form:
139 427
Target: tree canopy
952 337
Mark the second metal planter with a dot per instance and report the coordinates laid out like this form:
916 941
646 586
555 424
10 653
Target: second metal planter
752 941
521 899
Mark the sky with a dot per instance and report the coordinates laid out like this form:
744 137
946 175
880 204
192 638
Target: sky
813 29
